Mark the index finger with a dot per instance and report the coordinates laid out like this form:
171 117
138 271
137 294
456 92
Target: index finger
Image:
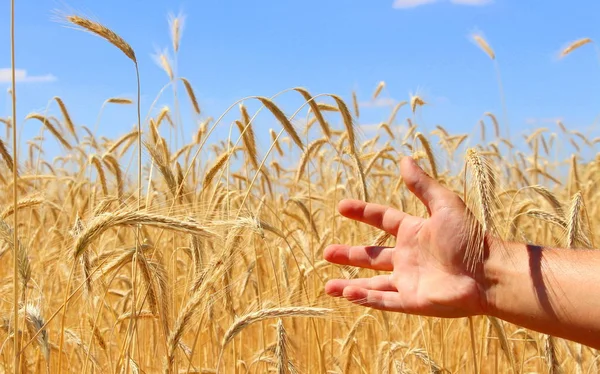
380 216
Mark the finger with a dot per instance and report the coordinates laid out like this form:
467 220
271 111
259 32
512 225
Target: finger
335 287
380 216
370 257
427 189
382 300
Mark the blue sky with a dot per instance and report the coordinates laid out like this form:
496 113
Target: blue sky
230 50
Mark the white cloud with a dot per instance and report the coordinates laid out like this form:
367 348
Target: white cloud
22 76
403 4
472 2
369 127
372 129
542 121
378 103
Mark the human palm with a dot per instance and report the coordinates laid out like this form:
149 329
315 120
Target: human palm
429 273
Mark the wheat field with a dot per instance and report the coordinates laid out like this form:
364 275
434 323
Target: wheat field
137 255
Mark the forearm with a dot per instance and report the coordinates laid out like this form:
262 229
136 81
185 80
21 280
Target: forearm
554 291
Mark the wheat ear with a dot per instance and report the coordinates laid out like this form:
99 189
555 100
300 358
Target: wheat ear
105 33
378 89
484 45
242 322
67 117
51 128
285 122
574 45
315 109
98 225
190 92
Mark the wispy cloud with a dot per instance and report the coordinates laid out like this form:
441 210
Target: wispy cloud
21 75
405 4
542 121
472 2
378 103
370 129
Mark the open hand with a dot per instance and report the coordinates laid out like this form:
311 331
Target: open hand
429 274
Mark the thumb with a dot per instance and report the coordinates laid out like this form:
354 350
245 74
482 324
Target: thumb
427 189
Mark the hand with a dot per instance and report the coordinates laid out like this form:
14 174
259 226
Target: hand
430 275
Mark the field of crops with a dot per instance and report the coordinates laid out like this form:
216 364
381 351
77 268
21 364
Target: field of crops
138 254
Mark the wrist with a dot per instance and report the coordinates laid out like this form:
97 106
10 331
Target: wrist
495 273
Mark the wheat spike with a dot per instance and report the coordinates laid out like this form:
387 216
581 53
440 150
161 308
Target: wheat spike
574 45
212 172
281 349
66 116
6 156
485 200
176 24
190 92
378 89
315 109
241 322
285 122
310 150
35 325
51 128
105 33
494 122
21 204
21 252
483 44
119 100
415 102
355 104
101 223
429 153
